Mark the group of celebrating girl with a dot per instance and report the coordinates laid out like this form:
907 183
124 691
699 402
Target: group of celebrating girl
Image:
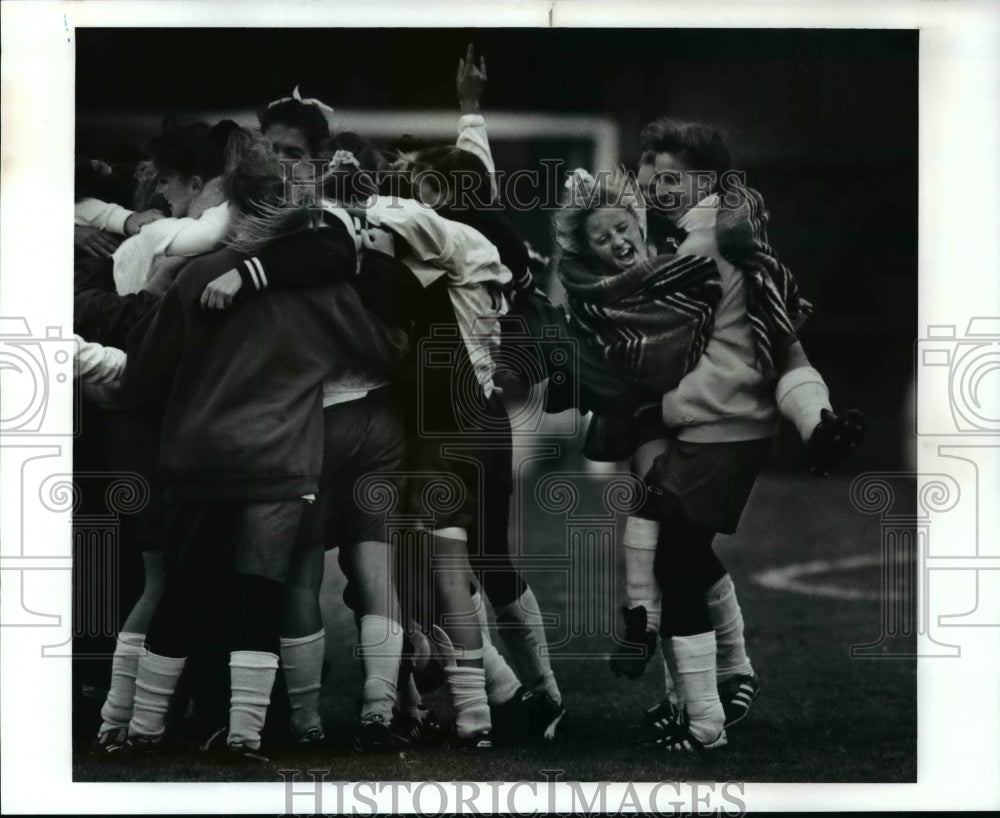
255 355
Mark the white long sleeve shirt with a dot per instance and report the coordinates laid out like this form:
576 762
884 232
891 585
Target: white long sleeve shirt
102 215
441 247
472 138
97 364
133 260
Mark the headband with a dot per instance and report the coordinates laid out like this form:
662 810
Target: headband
297 97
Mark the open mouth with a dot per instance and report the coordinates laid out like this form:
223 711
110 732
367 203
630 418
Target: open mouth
625 255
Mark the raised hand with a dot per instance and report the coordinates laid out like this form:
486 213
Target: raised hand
470 81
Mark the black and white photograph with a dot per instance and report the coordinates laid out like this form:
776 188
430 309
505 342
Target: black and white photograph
599 407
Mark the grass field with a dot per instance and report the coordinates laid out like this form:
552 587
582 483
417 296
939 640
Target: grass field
822 716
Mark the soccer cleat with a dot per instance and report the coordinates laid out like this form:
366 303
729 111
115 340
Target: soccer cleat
474 743
313 737
626 660
736 695
416 731
513 719
110 743
659 716
545 713
241 753
676 737
374 736
140 747
833 439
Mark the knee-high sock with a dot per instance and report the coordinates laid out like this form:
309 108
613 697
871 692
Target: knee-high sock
695 677
467 688
802 394
727 620
639 543
501 683
117 710
380 644
302 664
251 677
155 684
524 634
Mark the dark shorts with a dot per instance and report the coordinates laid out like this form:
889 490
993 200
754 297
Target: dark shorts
252 538
456 480
707 483
131 444
363 447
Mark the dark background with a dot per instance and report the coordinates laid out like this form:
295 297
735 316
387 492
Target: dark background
823 121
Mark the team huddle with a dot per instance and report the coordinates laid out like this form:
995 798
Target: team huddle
254 346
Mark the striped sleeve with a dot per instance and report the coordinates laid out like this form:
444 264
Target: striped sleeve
252 273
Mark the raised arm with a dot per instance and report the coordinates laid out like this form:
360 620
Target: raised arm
470 82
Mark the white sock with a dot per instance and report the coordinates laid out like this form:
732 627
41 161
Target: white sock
117 710
302 664
251 677
695 677
155 683
669 688
467 686
524 634
727 620
802 394
640 583
380 644
501 683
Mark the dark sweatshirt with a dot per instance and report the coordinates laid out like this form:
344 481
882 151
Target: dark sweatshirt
242 387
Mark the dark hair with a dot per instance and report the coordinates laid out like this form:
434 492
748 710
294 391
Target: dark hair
192 149
349 183
292 113
456 166
699 146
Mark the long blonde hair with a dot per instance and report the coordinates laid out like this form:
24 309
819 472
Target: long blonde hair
261 209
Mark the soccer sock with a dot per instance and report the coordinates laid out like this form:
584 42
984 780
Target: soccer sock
695 677
640 581
727 620
802 394
380 645
117 710
501 683
302 664
155 683
251 677
524 634
467 686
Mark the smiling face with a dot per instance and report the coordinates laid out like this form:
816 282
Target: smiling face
614 237
669 186
178 192
289 143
